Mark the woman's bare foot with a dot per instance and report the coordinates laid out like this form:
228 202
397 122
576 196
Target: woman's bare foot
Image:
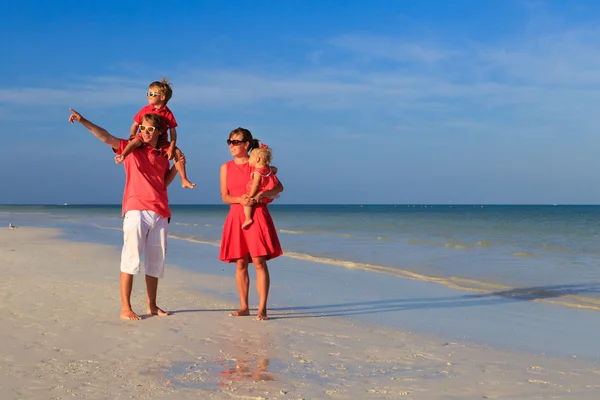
262 315
247 223
130 315
158 311
240 313
187 184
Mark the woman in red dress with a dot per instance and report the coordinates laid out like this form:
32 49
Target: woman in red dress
259 242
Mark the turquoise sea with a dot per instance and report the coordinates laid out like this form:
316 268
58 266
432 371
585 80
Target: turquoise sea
546 253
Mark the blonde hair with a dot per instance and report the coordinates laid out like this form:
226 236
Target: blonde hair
265 154
164 86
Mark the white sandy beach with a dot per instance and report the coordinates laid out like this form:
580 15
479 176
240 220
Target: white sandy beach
62 338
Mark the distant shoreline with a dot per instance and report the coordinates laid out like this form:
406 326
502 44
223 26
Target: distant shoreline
321 205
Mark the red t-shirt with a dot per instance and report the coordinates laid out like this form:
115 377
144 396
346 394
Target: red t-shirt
145 189
164 112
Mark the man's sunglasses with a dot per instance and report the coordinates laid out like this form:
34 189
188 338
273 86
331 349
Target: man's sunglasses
153 94
150 129
234 142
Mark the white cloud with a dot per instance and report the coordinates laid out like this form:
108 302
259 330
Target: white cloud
543 80
397 49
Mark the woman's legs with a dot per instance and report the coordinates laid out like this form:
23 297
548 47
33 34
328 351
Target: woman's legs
243 283
263 283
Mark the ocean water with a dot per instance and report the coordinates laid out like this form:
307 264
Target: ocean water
546 252
485 261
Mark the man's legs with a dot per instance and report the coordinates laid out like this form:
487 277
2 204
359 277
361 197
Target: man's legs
134 240
156 251
152 289
126 286
243 284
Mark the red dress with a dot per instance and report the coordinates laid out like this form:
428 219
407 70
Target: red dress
260 239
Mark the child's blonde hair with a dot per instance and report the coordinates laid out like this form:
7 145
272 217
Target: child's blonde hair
264 152
164 86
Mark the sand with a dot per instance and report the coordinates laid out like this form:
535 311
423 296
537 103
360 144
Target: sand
61 338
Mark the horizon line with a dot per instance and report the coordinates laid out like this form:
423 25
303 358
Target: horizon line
302 204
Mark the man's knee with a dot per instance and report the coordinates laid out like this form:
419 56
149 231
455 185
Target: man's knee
133 242
154 258
156 249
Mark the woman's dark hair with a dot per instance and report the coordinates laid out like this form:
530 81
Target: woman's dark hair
246 137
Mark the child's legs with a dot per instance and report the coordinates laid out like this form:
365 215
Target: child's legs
178 153
248 212
133 144
180 166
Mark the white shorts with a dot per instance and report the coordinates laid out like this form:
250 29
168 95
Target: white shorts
144 232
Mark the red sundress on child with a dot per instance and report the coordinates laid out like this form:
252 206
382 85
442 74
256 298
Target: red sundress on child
268 181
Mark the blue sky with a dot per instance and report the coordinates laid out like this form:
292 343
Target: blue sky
362 101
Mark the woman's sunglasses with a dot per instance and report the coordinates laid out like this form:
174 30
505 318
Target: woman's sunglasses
234 142
150 129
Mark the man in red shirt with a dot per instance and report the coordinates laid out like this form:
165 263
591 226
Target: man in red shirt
145 209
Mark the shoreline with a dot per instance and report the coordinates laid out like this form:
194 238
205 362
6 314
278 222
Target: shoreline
497 319
63 337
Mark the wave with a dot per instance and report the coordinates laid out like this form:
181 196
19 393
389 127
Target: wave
291 231
23 213
193 239
523 254
315 232
456 246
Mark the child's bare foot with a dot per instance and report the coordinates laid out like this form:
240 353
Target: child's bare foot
247 223
130 315
158 311
262 315
119 159
242 312
187 184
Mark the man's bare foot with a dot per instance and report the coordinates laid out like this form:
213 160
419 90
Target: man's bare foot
119 159
262 315
240 313
158 311
187 184
130 315
247 223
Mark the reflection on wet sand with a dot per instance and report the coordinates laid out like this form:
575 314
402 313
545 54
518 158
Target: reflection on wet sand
239 370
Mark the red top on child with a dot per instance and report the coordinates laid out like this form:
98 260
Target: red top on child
168 118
